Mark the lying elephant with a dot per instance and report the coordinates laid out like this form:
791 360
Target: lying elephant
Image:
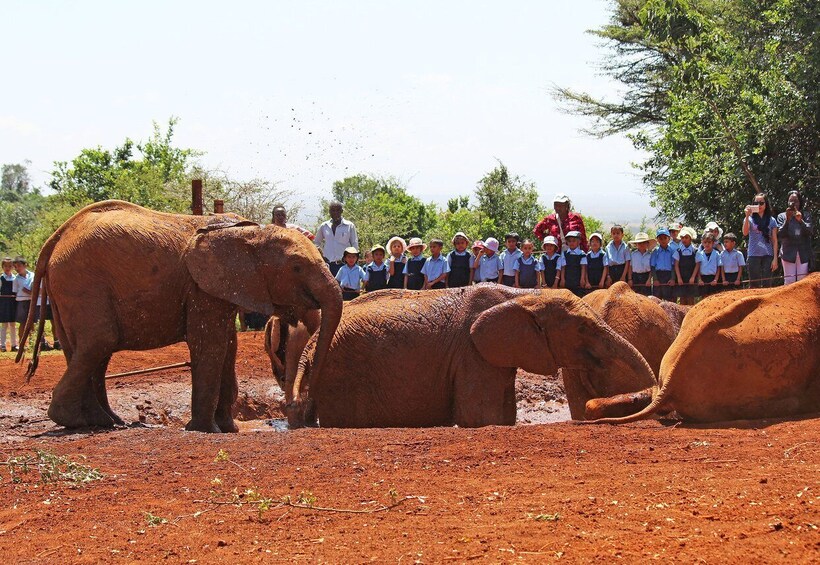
443 357
123 277
638 319
674 312
739 355
284 344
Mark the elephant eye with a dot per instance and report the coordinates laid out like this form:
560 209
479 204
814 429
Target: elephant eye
297 268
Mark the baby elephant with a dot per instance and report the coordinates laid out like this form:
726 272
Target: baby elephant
740 355
444 357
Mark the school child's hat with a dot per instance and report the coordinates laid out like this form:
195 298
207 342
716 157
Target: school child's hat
20 259
599 236
350 251
512 235
573 233
675 227
730 236
377 247
478 244
662 231
642 237
492 244
713 226
561 197
416 242
686 230
458 235
400 240
549 240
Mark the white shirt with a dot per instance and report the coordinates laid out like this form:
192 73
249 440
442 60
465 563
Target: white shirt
333 245
732 260
617 255
562 261
22 286
640 261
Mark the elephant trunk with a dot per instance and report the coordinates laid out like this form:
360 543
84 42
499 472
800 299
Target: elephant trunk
329 296
623 368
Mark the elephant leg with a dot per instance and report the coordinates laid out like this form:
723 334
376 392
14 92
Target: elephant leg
207 322
74 401
484 396
98 382
578 390
228 389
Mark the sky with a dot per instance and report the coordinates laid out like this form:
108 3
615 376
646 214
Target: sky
305 93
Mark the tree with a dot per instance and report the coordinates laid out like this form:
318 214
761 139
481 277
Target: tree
509 202
253 199
722 95
16 182
20 206
382 208
460 216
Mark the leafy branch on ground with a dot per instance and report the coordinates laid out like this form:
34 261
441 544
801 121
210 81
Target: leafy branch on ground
153 520
50 468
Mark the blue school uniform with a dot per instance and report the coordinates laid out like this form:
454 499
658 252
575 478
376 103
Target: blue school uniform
509 259
415 280
350 279
731 261
433 268
596 261
550 267
641 267
617 257
8 304
709 265
527 269
376 276
685 258
488 268
461 265
396 280
571 262
662 261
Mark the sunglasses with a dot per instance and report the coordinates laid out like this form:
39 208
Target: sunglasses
759 203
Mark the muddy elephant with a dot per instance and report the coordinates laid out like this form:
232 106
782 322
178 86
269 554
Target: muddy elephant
123 277
444 357
739 355
284 344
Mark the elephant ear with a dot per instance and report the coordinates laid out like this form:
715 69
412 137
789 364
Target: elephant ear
222 261
508 335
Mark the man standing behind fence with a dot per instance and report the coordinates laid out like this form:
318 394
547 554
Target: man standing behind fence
334 236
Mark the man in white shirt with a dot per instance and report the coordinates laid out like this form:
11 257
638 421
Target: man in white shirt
334 236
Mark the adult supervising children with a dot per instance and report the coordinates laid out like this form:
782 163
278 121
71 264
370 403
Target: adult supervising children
334 236
760 226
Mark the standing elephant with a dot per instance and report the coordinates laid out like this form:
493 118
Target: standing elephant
636 318
123 277
443 357
739 355
284 344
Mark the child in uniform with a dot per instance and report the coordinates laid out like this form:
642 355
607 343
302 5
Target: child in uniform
397 246
617 255
640 266
436 267
573 264
509 257
8 306
460 262
597 264
22 289
732 261
375 274
413 279
550 270
527 267
350 274
686 267
661 261
488 266
708 260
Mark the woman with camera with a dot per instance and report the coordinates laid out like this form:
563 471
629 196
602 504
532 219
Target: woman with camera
794 228
761 227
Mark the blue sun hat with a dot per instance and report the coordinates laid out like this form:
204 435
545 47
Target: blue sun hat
662 231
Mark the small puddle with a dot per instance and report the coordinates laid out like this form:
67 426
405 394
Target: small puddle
278 424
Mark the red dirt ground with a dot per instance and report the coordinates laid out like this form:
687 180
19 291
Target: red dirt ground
738 493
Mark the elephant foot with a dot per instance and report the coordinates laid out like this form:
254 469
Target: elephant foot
227 425
208 427
74 415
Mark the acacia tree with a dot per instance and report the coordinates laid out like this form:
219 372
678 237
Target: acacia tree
722 95
508 201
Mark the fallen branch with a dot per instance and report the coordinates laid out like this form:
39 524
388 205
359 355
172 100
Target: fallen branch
149 370
286 502
787 452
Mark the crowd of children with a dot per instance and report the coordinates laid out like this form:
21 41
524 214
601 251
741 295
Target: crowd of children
670 265
15 299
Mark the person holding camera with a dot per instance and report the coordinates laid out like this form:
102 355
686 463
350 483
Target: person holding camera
761 228
794 228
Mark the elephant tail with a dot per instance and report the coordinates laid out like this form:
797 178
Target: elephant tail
38 288
658 401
